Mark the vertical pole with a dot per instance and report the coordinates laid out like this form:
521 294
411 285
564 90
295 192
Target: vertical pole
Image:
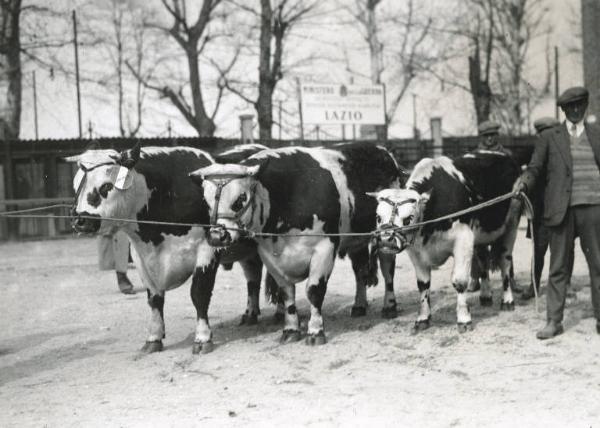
90 129
317 135
415 129
77 74
385 120
280 111
354 131
556 80
300 108
169 129
343 132
35 111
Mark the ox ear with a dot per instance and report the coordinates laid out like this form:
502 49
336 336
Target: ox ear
74 158
128 158
424 197
373 194
197 177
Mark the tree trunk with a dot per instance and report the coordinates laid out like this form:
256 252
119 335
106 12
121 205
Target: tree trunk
264 102
381 131
202 122
480 90
10 69
590 17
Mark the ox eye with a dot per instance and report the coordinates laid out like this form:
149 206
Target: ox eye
378 219
407 220
104 189
239 202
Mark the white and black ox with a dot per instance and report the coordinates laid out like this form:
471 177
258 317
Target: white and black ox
439 187
304 193
153 184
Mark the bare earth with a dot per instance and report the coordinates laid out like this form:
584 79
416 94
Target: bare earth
69 355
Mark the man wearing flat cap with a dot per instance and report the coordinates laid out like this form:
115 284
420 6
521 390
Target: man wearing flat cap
567 160
490 131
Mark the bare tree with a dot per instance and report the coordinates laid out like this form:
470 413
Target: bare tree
275 21
192 38
10 68
403 58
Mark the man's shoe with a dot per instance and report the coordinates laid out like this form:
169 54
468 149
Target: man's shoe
125 285
552 329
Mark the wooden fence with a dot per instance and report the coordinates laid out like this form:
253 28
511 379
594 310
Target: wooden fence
34 173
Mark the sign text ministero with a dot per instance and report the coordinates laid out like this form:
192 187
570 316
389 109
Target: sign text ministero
331 104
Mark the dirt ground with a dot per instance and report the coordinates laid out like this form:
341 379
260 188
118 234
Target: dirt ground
69 355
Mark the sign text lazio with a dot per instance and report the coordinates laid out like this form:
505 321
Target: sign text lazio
330 104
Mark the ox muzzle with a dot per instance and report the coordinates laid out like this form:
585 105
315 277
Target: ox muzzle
85 222
389 240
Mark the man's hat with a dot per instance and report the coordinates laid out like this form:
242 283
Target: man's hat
576 93
488 128
544 123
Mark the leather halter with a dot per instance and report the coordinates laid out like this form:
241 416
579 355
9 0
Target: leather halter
220 181
82 183
394 231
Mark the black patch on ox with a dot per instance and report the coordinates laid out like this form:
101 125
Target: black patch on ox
93 198
299 189
291 310
316 293
423 285
173 196
486 176
367 168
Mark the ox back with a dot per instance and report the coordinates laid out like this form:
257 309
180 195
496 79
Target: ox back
172 198
302 187
464 182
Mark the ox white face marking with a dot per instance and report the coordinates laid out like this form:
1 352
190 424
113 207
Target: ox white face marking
424 168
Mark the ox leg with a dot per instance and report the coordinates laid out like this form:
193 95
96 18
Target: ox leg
253 272
423 273
387 262
291 329
502 249
482 258
463 256
360 265
274 295
321 265
203 282
156 301
508 303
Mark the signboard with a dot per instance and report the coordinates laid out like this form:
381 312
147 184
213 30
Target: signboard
331 104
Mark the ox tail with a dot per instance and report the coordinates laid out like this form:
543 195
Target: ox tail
272 292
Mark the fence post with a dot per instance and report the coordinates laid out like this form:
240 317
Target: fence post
12 225
436 136
246 128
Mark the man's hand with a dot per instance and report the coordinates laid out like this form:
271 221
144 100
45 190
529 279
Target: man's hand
520 186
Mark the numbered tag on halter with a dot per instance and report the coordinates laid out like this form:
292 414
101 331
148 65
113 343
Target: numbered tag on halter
124 179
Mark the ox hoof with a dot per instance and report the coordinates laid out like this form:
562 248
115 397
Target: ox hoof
420 325
249 319
202 347
463 327
389 312
507 306
150 347
371 280
486 300
358 311
316 339
289 336
278 318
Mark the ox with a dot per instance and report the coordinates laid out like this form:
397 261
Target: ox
152 184
439 187
302 193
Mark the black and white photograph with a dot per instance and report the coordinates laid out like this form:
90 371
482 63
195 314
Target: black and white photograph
300 213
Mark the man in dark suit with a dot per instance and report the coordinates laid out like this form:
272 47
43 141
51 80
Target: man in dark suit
541 234
571 155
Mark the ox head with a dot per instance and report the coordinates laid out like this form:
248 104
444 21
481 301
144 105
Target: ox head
397 209
230 192
103 188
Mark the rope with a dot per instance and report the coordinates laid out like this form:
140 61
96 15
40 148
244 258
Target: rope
13 212
18 214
